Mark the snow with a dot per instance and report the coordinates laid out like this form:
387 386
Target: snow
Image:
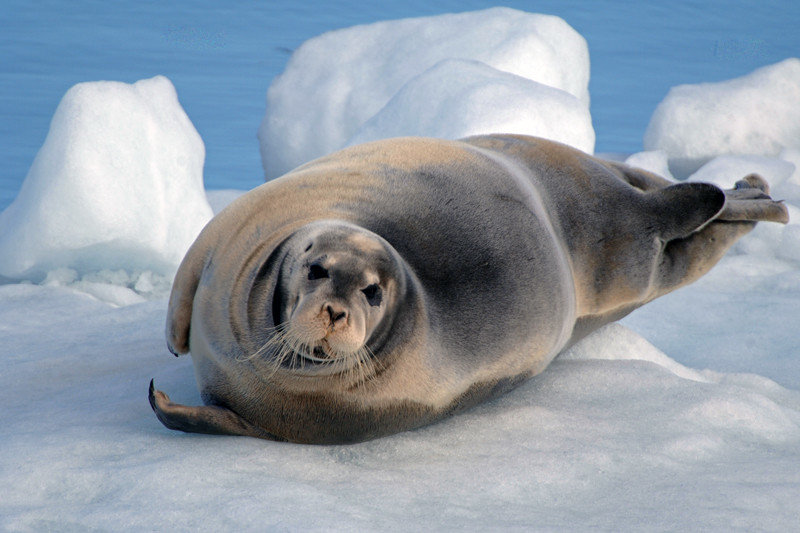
757 114
118 184
654 161
615 435
336 82
457 98
683 416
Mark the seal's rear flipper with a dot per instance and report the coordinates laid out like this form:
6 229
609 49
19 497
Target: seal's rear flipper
679 210
210 419
749 201
686 258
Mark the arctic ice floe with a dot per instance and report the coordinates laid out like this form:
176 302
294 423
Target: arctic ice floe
756 114
118 184
336 82
457 98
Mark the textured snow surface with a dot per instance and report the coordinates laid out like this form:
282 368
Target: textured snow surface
614 435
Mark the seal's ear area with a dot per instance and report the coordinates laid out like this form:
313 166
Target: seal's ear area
208 419
681 209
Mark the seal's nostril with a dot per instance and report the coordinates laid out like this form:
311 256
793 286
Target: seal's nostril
335 315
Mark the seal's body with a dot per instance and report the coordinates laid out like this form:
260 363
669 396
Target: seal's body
390 284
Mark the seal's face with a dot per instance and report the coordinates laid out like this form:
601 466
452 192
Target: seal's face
338 285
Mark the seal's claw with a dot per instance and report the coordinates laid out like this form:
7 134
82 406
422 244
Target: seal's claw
151 396
753 181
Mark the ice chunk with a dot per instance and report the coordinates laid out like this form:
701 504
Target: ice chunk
654 161
756 114
724 171
789 189
456 98
616 342
220 198
335 82
118 184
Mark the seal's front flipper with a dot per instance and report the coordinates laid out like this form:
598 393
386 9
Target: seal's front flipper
210 419
749 200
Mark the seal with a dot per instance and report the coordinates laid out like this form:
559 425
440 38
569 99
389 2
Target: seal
394 283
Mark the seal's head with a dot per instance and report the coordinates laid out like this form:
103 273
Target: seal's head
334 302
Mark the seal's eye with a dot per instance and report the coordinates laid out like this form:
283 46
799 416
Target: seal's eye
317 271
374 294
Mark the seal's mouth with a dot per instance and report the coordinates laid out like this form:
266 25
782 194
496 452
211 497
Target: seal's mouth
317 355
318 358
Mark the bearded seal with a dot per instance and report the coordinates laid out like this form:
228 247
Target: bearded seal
393 283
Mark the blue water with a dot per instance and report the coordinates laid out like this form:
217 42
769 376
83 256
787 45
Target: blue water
222 58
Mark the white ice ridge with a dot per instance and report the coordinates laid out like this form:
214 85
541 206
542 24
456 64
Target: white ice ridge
756 114
336 82
457 98
118 184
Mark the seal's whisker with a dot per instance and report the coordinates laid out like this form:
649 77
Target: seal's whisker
277 335
285 346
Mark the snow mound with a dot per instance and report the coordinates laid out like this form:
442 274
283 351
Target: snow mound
118 184
654 161
336 82
616 342
457 98
220 198
756 114
724 171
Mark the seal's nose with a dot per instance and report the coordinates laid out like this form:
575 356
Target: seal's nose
336 314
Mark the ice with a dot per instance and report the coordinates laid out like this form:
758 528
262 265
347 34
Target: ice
654 161
336 82
118 184
457 98
789 188
757 114
726 170
220 198
616 342
610 437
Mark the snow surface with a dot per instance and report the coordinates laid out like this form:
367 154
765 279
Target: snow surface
654 161
684 416
117 184
615 435
756 114
336 82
